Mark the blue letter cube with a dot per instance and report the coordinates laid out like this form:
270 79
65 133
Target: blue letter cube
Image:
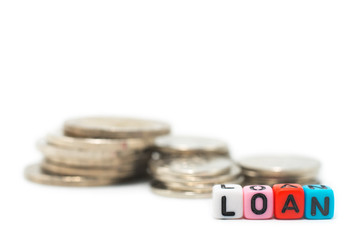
319 202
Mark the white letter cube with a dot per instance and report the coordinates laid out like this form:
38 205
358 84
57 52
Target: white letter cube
227 201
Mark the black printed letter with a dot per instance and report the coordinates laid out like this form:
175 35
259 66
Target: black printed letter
253 202
315 203
223 208
289 199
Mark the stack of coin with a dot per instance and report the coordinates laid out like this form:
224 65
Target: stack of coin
274 169
189 166
96 151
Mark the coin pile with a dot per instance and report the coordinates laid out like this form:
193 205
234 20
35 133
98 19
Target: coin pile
274 169
96 151
188 167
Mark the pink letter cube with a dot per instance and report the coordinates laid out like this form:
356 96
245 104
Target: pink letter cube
258 202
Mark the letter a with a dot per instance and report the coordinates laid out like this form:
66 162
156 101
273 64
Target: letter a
291 199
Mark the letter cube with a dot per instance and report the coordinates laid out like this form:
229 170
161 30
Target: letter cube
289 201
227 201
258 202
319 202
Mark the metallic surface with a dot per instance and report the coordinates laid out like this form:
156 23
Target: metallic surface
34 173
114 127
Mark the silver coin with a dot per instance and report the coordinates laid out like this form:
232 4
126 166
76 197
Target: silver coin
191 145
189 186
82 162
85 157
48 149
34 173
270 182
114 127
279 166
280 179
127 144
162 190
120 168
192 166
87 172
234 173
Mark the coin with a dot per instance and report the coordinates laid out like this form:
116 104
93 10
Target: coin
188 145
35 174
270 182
160 189
195 166
114 127
94 157
279 166
88 172
126 144
49 150
235 172
189 186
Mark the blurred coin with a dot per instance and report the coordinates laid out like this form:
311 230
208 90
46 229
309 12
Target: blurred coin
35 174
88 172
189 186
134 164
83 162
160 189
279 166
195 166
270 182
83 157
118 168
187 145
126 144
49 150
114 127
234 173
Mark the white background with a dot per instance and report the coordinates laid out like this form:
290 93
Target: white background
266 76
